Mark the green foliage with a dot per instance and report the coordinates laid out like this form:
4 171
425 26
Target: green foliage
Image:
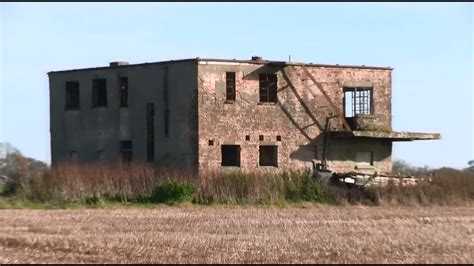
270 188
40 187
16 169
239 183
173 191
273 189
301 186
97 185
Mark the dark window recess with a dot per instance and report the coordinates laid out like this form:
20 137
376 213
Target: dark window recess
150 131
73 155
260 137
167 122
99 93
278 138
166 113
101 155
268 88
230 155
366 158
357 101
72 95
247 137
123 91
211 142
268 156
230 86
126 150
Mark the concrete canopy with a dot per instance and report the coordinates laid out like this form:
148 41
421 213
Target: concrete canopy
393 135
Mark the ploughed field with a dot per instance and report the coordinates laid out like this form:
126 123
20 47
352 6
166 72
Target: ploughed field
233 234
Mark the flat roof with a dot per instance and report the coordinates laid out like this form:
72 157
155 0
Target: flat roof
257 62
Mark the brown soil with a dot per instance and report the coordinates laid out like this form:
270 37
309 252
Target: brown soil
231 234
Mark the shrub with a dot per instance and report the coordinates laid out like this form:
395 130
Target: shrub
93 183
42 187
301 186
173 191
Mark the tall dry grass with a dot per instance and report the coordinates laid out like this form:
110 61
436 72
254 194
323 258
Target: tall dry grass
441 187
267 188
69 182
134 182
80 182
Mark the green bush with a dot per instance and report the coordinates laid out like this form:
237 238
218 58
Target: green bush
172 192
301 186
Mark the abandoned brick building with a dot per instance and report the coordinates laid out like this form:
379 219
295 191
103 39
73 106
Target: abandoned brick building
226 114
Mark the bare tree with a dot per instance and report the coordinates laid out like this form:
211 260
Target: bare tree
403 168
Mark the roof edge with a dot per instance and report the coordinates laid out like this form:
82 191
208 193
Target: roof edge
124 66
198 59
286 63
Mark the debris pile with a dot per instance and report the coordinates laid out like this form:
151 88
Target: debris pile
367 180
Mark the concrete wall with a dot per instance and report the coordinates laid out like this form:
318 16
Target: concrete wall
342 154
298 117
91 129
199 113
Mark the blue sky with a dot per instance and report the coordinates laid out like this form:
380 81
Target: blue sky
429 45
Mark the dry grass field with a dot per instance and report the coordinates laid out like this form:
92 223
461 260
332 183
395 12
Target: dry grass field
233 234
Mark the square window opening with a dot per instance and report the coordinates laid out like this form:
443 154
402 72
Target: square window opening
268 156
247 138
230 155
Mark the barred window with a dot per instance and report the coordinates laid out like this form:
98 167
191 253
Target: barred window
268 88
230 86
357 101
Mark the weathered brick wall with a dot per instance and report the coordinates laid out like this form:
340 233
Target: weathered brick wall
299 117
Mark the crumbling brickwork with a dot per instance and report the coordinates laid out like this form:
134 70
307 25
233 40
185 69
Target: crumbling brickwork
299 116
191 111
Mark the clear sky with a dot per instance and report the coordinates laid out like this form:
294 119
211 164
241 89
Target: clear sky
429 45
